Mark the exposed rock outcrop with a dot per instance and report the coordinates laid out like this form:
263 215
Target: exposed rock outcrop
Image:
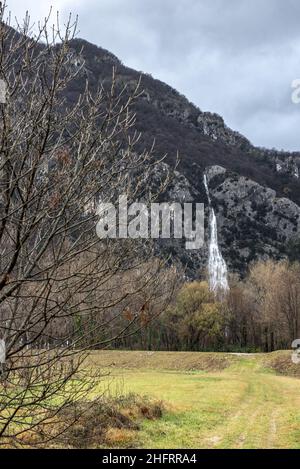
253 222
255 192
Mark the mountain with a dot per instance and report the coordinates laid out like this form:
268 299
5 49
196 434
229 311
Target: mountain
255 192
201 138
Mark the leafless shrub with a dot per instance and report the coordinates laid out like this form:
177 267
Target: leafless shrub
63 290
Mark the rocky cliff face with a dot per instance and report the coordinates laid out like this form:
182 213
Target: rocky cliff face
255 192
253 222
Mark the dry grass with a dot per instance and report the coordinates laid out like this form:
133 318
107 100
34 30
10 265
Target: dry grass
210 401
173 361
282 364
108 423
244 405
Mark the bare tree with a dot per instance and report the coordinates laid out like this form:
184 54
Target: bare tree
62 289
274 292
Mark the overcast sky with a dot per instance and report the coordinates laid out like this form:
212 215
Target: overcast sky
234 57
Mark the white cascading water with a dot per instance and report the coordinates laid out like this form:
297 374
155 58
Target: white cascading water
217 268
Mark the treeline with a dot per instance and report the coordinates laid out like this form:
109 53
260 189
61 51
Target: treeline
260 313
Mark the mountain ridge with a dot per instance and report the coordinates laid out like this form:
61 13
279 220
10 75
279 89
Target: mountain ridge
204 141
267 227
201 136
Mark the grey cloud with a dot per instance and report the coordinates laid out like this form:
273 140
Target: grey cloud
234 57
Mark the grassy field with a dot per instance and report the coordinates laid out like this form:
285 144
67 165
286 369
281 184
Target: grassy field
211 400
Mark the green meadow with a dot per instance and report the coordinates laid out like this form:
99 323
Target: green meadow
209 400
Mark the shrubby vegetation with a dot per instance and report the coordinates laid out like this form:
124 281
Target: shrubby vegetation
261 313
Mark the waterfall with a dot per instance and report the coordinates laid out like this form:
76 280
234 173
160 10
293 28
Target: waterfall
217 268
